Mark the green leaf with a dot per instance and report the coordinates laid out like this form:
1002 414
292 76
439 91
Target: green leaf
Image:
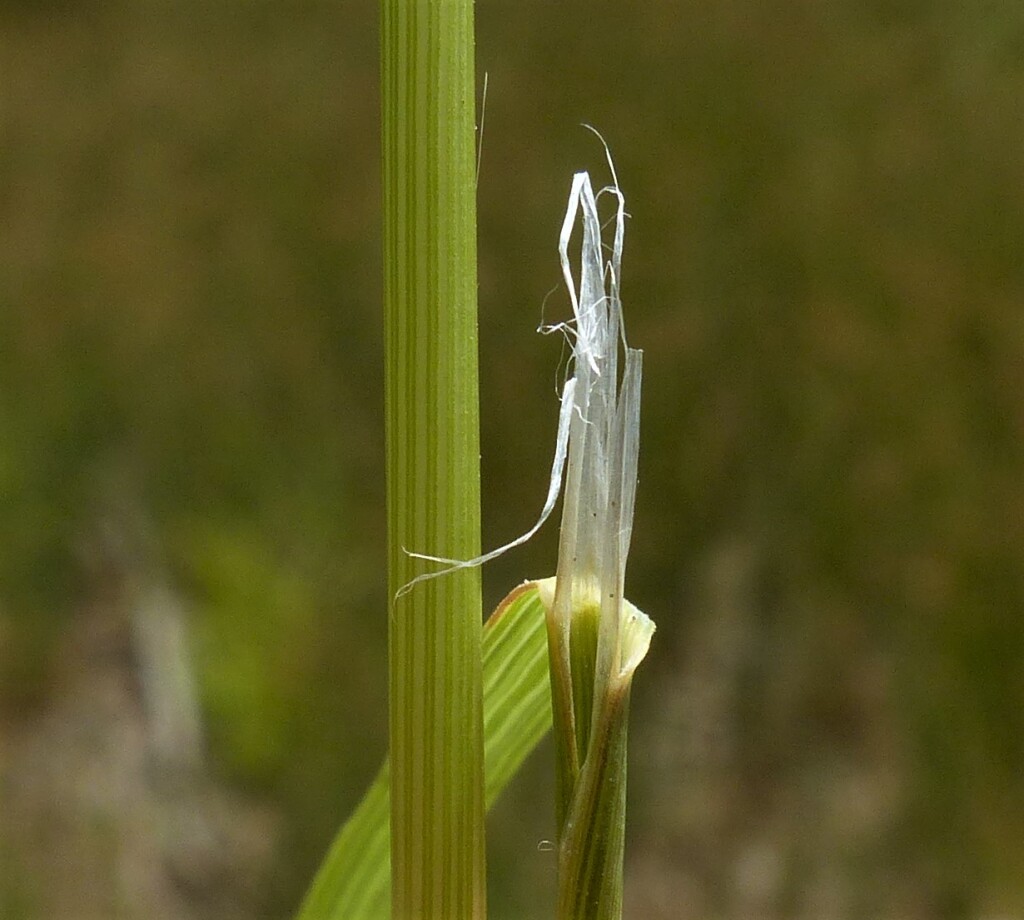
354 881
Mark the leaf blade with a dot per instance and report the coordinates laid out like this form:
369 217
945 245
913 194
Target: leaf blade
353 882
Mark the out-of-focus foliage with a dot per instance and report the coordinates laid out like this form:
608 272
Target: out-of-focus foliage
824 269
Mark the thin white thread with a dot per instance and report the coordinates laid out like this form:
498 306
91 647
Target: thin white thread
554 490
480 130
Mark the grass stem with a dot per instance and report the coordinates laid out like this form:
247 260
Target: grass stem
433 456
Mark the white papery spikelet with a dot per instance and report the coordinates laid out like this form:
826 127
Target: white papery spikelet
597 516
598 434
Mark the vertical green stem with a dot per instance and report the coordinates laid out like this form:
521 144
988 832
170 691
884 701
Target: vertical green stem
433 457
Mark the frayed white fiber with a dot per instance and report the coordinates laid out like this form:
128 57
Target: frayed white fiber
590 393
554 488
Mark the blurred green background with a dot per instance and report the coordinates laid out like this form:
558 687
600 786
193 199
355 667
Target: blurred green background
824 269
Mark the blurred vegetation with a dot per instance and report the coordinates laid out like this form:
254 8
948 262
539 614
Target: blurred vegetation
824 269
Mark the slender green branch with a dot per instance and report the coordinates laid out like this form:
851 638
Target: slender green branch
433 475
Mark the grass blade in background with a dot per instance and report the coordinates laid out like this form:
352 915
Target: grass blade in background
354 881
